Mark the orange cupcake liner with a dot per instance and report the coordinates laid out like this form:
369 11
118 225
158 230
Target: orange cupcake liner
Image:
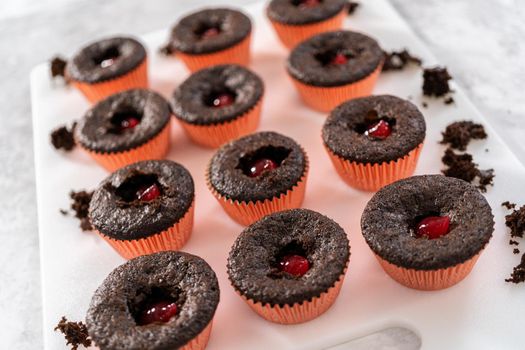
136 78
298 312
429 279
291 35
156 148
371 177
200 341
172 238
246 213
237 54
326 98
218 134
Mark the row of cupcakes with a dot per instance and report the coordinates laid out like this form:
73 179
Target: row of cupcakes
427 233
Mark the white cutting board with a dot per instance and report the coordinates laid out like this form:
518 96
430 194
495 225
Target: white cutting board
482 312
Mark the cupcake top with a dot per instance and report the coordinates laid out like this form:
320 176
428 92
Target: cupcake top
122 121
210 30
297 12
106 59
184 284
392 222
334 58
288 257
257 167
374 129
141 199
217 94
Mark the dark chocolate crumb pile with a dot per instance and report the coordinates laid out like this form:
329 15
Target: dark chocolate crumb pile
398 60
352 6
462 166
62 137
459 134
435 81
80 205
76 333
58 67
518 272
516 222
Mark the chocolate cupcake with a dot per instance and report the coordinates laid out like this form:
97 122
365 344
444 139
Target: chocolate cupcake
212 36
124 128
428 231
373 141
297 20
334 67
108 66
144 207
165 300
257 175
289 266
219 104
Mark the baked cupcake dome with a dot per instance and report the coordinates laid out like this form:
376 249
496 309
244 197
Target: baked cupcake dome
126 127
366 160
254 265
114 318
257 175
390 227
297 20
144 207
333 67
218 104
108 66
212 36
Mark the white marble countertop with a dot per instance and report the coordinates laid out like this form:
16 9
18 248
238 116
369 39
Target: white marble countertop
479 41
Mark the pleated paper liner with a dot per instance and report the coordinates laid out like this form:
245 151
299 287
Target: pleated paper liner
201 340
298 312
156 148
217 134
172 238
372 177
429 279
291 35
246 213
326 98
136 78
236 54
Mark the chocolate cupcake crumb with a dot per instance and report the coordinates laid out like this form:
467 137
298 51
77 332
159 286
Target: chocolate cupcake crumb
462 166
458 134
513 242
516 222
166 50
58 67
516 251
80 205
449 100
352 7
398 60
424 104
76 333
435 81
62 138
518 272
63 211
508 205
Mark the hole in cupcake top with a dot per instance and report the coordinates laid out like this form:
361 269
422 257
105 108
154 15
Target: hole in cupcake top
430 225
139 187
263 160
291 261
306 3
208 30
155 306
126 118
336 56
219 98
375 126
107 57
